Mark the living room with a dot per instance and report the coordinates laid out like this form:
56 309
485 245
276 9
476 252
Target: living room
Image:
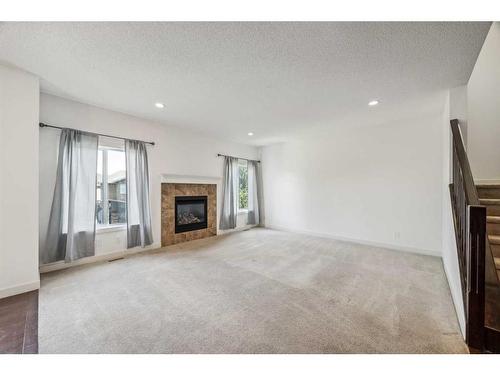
249 187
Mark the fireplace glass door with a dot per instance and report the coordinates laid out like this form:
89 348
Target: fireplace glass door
190 213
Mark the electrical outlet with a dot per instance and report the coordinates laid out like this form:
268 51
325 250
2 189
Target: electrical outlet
397 235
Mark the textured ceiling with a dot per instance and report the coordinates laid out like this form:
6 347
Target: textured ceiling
227 79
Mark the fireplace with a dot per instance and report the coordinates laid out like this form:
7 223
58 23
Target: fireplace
190 213
173 231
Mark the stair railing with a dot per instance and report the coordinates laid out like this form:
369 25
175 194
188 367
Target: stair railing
470 231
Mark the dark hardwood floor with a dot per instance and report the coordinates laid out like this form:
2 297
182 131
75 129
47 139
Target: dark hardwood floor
19 324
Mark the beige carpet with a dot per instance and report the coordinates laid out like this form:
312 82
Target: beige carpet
258 291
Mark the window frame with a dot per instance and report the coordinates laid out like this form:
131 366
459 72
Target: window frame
105 189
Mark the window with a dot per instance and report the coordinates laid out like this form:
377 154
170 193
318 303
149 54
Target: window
111 184
243 185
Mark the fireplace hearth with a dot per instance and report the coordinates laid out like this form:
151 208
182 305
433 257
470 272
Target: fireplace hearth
190 213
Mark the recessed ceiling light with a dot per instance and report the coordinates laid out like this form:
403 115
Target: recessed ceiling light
159 105
250 134
372 103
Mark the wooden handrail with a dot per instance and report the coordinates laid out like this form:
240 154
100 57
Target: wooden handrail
458 145
469 218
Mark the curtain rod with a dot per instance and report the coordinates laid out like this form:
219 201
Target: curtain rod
42 125
258 161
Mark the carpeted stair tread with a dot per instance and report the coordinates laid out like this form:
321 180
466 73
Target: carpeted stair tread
493 219
488 186
494 239
490 201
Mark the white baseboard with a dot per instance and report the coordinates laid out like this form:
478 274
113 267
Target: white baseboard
237 229
456 297
56 266
20 288
493 181
358 241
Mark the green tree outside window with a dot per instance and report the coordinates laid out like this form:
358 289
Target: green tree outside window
243 198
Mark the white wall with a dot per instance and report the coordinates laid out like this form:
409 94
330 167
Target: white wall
177 151
455 108
483 95
375 183
19 97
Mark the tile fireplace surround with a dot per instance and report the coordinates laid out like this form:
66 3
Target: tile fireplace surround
168 193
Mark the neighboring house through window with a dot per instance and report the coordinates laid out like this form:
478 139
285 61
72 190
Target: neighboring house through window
243 185
111 184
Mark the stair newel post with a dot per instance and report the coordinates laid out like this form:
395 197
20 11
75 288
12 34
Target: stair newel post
475 251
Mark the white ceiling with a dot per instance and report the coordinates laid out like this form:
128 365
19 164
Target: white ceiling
227 79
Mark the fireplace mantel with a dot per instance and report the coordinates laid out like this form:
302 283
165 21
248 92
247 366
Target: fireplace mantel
189 179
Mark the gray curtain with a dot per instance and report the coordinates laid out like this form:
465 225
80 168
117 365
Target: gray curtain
254 196
71 231
229 206
139 232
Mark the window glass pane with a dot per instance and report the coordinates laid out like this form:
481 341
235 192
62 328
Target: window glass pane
111 189
243 188
99 193
117 188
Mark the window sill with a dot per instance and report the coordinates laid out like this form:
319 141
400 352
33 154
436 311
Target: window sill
111 228
243 211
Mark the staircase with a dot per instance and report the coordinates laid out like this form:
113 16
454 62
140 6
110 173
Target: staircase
489 196
476 218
